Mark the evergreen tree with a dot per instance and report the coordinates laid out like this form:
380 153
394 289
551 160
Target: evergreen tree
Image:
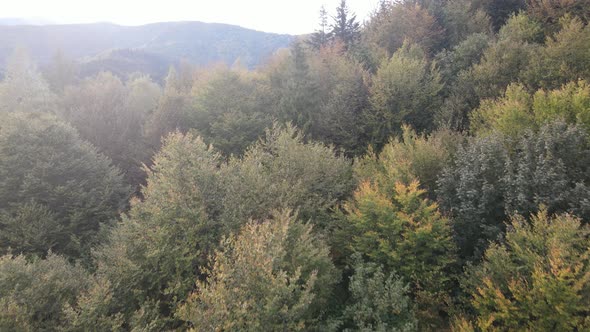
494 176
345 27
321 37
152 257
56 191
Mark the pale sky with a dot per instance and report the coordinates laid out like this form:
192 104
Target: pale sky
281 16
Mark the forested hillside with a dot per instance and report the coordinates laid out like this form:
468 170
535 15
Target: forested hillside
150 48
427 170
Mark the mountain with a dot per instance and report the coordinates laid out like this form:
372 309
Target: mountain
123 49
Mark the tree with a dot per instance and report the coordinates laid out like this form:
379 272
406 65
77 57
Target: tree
518 110
230 110
379 302
551 12
396 23
321 37
462 18
34 295
51 180
61 72
501 10
537 279
496 176
272 276
171 113
192 199
345 27
564 58
152 257
407 234
405 90
23 88
343 99
409 157
282 171
459 91
111 115
292 90
507 60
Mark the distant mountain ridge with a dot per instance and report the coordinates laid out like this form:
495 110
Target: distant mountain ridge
157 44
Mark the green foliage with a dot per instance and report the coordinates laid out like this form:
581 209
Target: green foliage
23 88
463 18
536 280
153 255
518 111
272 276
110 115
407 234
459 91
229 111
507 59
408 158
172 112
344 100
378 302
396 23
345 28
510 115
192 198
55 189
565 58
34 295
406 89
283 172
472 191
292 90
494 176
550 168
549 13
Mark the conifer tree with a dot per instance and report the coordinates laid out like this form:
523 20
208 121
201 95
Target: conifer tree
322 36
345 27
56 190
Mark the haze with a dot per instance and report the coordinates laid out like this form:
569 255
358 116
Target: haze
292 17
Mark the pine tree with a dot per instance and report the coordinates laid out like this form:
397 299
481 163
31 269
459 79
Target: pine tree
56 190
345 28
322 36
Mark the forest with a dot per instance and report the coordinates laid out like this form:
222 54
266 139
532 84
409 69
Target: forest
425 170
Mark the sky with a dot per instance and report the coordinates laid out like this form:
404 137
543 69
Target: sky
280 16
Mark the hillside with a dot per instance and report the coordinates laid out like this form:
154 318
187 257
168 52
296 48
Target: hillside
100 44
